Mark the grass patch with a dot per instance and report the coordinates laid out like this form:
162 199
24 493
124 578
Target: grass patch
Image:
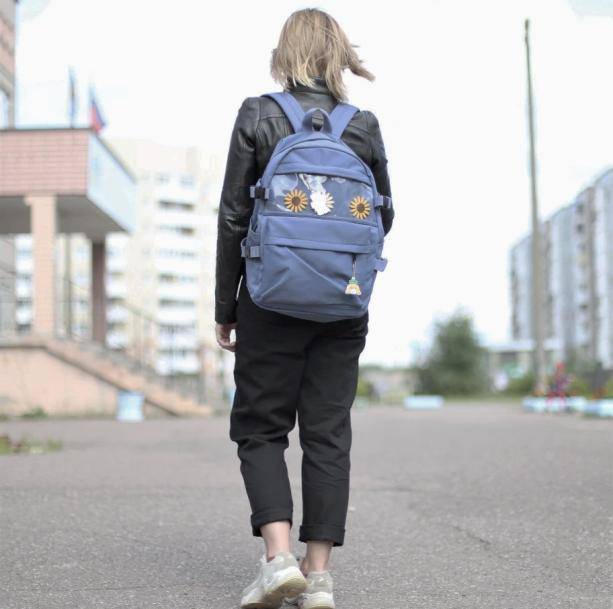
26 446
34 413
497 398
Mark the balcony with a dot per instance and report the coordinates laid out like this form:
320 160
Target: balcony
94 191
24 264
117 340
177 218
170 241
175 192
23 315
178 291
23 289
178 364
116 263
117 314
176 316
177 265
178 341
116 288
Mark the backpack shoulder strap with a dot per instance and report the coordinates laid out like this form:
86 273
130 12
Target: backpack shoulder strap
290 106
340 117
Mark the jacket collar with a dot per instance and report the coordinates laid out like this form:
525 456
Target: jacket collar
319 86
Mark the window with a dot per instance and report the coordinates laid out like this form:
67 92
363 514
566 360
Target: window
175 253
4 110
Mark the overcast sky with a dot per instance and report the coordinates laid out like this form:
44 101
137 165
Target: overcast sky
449 94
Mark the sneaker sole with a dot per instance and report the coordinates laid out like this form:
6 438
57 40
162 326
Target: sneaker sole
289 582
318 600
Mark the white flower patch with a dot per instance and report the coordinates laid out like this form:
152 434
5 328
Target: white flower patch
321 202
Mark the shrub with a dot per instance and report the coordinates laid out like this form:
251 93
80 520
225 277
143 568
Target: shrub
456 364
522 385
34 413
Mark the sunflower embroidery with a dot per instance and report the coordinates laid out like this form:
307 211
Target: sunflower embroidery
295 200
359 207
322 202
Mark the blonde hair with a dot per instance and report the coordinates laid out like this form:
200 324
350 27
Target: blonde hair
312 44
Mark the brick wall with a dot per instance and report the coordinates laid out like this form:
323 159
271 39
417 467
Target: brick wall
44 161
32 378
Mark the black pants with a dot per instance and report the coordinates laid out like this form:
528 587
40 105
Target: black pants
286 367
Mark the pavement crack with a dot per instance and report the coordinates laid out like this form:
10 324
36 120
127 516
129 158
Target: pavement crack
485 543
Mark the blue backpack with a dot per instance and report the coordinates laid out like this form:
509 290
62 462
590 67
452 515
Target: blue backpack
314 244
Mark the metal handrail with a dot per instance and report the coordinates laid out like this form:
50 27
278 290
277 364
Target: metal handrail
139 355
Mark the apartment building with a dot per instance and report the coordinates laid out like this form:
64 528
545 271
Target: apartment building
559 285
159 279
72 285
7 119
578 277
603 265
165 269
7 63
63 194
521 289
7 285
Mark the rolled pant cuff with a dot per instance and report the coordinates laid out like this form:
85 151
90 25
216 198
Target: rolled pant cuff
265 516
322 532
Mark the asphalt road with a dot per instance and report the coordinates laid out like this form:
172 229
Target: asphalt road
469 507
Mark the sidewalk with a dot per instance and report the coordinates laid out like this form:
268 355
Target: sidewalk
470 507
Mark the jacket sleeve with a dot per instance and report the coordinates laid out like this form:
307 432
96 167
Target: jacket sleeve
235 209
379 168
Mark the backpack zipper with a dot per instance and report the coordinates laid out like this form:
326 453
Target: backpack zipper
284 214
353 287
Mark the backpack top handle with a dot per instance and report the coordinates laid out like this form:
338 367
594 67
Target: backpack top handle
307 121
339 117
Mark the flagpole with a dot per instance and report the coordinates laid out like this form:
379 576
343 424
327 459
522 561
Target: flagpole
540 373
72 113
72 98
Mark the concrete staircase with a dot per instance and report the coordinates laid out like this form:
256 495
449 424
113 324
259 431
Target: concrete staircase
117 370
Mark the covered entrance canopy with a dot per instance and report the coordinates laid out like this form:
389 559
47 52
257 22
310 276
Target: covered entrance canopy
56 181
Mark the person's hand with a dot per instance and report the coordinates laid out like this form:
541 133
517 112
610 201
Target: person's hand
222 333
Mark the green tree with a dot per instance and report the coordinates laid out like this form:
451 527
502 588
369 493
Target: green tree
456 364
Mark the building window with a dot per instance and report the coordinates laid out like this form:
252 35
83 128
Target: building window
4 110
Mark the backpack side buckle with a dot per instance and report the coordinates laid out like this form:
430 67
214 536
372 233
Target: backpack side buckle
259 192
383 201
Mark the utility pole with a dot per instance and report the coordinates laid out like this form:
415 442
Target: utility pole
540 373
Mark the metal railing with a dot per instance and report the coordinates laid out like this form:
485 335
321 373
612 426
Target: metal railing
133 336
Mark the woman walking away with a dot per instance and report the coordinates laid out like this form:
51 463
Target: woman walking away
305 206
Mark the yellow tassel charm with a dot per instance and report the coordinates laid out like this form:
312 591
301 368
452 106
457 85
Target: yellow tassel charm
353 287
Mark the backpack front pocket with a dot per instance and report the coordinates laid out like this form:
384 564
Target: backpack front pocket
314 271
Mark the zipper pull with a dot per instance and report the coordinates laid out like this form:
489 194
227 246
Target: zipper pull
353 287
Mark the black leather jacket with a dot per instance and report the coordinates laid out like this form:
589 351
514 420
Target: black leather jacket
260 124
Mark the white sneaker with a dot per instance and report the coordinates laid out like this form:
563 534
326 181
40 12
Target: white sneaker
277 579
318 593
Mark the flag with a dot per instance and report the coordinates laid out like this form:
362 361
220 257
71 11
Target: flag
96 120
72 97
